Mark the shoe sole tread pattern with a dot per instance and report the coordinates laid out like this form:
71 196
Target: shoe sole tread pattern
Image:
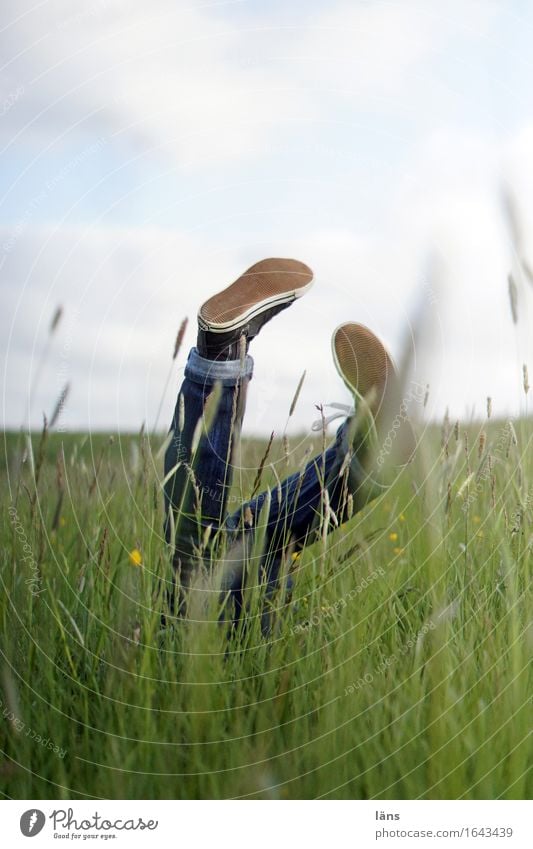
266 284
363 363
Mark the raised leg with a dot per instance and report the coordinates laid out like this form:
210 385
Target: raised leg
351 472
198 477
210 407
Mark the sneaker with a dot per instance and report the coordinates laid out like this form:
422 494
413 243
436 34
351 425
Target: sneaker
244 307
364 364
381 421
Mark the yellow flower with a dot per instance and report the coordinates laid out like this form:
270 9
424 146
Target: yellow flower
397 550
136 557
402 517
477 520
393 536
480 534
295 555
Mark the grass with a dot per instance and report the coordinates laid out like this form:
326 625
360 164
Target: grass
398 671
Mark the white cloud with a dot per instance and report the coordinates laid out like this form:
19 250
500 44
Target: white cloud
173 77
211 93
202 87
131 288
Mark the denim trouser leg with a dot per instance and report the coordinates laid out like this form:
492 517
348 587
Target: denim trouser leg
296 506
207 475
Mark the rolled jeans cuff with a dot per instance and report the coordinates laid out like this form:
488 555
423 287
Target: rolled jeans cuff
208 372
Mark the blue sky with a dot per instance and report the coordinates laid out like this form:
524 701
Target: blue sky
152 152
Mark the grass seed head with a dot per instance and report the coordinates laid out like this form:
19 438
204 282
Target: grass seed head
349 506
179 337
513 298
56 318
297 394
206 536
59 405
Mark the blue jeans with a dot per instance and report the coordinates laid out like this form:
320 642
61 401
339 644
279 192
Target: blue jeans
198 471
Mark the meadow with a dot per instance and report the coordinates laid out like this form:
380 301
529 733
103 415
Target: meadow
399 669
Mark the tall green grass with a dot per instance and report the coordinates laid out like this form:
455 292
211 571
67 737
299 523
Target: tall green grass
399 669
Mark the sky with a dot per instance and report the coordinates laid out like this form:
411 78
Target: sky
151 152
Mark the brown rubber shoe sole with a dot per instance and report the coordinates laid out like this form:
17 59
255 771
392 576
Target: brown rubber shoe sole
267 284
363 363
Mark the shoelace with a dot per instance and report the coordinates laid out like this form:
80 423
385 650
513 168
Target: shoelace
343 411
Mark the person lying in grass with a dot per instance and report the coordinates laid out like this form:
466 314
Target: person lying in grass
273 526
